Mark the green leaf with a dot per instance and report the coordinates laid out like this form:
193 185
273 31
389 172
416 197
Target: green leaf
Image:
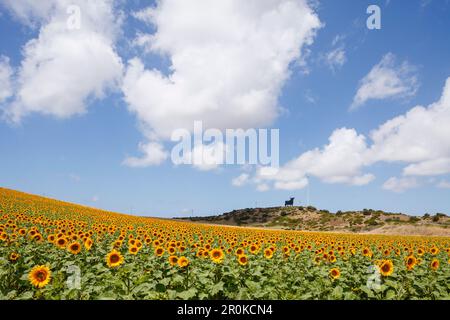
188 294
337 292
160 287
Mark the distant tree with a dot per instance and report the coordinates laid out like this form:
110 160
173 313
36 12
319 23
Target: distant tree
414 219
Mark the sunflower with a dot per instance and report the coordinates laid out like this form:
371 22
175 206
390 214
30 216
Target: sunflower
243 260
332 258
434 264
13 257
367 252
74 248
253 249
411 262
88 244
61 242
239 251
386 268
133 250
317 259
171 250
114 259
40 276
216 255
173 260
335 273
159 251
434 251
183 262
37 237
268 254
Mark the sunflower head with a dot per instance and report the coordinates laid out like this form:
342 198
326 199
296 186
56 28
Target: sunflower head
114 259
268 254
183 262
61 242
386 268
243 260
88 244
216 255
40 276
74 248
335 273
159 251
173 260
411 262
434 264
133 250
13 257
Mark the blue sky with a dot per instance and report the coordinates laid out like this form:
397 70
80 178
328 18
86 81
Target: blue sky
76 150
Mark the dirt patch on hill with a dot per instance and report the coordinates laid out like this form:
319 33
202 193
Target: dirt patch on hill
412 230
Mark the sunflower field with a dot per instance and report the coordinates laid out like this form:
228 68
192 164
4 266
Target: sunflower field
56 250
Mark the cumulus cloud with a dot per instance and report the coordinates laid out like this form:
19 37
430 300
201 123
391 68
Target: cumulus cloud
240 180
400 185
6 73
387 79
154 154
56 74
340 161
228 62
419 139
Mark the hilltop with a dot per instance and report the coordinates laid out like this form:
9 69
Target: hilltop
313 219
283 218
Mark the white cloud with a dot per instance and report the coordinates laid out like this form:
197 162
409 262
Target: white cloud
206 157
400 184
444 184
420 138
387 79
74 177
428 167
6 73
340 161
228 62
335 58
240 180
154 154
263 187
56 76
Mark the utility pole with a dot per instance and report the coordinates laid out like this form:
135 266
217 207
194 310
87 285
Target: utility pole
307 192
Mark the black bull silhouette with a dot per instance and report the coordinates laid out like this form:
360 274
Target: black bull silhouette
289 202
